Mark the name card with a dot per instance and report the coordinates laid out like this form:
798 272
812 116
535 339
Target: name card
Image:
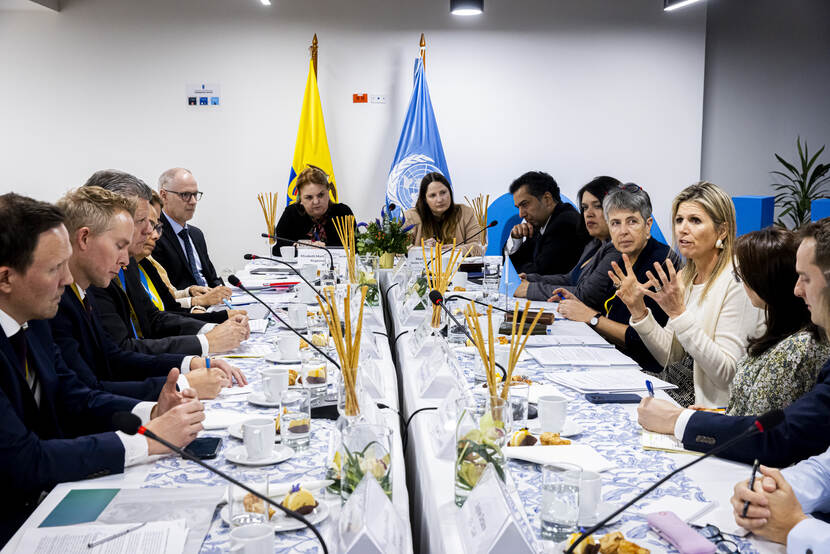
317 256
369 523
373 382
433 365
444 424
490 521
420 334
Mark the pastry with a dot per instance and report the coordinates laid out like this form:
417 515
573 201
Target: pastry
503 339
458 289
552 439
299 500
303 344
292 377
587 546
319 339
256 505
615 543
522 438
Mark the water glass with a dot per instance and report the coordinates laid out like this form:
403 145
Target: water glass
295 422
559 512
238 513
328 280
315 374
517 397
456 334
490 278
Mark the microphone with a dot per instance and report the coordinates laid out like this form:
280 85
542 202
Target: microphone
437 298
764 423
289 266
478 302
295 242
474 235
234 280
130 424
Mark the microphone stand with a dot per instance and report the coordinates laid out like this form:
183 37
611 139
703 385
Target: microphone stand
234 280
755 429
479 302
289 266
184 454
295 242
465 241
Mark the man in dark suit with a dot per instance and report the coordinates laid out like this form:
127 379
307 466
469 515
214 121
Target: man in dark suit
182 249
100 226
55 428
552 234
127 312
805 430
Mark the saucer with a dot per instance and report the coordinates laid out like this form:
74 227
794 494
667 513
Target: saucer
258 398
276 358
235 431
571 428
282 522
239 455
604 509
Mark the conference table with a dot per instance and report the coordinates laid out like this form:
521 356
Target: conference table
423 478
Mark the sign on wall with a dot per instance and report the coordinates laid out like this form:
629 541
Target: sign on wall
203 94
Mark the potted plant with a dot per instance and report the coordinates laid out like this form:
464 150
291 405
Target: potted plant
384 237
800 185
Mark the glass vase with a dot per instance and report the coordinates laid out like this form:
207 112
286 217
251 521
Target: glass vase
367 448
480 434
367 274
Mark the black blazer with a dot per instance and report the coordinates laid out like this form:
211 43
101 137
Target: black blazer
169 302
163 332
558 250
295 224
68 438
89 351
804 432
168 252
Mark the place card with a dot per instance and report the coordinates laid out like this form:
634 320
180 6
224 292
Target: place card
490 520
444 424
369 523
420 335
433 365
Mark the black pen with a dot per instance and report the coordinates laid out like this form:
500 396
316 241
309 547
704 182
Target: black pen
751 485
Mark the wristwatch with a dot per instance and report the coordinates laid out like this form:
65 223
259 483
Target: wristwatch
594 320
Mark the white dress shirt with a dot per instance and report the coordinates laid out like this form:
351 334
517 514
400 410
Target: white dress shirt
810 480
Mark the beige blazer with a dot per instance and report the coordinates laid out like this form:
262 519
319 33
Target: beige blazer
466 228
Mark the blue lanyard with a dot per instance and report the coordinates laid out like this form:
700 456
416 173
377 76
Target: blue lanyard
133 316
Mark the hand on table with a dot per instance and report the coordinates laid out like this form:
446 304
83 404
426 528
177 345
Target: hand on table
170 396
179 425
212 296
197 290
232 373
658 415
207 383
572 307
227 335
521 290
232 313
773 510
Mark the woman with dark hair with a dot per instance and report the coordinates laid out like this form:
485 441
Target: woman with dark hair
310 219
783 363
436 217
588 280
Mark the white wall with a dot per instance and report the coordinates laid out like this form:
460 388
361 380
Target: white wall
767 82
574 88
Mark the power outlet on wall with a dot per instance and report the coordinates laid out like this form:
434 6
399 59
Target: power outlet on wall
377 98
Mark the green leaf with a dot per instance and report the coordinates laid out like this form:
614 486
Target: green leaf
787 164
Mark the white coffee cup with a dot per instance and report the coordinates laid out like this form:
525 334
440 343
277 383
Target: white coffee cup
553 411
298 315
258 436
287 252
590 493
307 294
309 271
256 538
289 346
460 279
274 381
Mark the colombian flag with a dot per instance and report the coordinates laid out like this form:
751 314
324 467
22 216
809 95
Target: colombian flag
312 147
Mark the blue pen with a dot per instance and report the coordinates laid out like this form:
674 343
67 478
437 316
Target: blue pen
228 304
650 388
207 362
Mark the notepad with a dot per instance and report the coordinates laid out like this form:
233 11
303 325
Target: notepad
666 443
608 380
582 455
258 325
581 356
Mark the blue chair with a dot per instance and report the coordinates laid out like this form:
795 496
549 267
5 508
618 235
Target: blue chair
503 210
820 209
753 213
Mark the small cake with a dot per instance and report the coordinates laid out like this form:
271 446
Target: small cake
552 439
319 339
522 438
299 500
256 505
317 376
587 546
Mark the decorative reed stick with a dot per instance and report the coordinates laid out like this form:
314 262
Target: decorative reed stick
268 203
516 348
438 276
479 204
344 225
346 343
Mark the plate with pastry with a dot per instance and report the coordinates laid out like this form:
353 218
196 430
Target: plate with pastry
299 499
610 543
523 437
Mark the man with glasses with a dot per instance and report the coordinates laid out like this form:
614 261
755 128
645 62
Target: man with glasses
182 249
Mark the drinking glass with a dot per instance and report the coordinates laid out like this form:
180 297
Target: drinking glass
295 422
559 512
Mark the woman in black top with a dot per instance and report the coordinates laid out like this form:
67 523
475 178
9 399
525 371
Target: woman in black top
311 218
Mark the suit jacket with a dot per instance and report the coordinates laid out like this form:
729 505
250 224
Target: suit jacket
163 332
558 249
169 302
295 224
100 363
804 432
68 438
169 254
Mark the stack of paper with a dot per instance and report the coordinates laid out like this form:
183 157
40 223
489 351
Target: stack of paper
258 325
156 537
608 380
577 454
666 443
581 356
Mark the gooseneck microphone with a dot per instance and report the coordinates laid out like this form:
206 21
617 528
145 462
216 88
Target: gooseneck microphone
234 280
130 424
764 423
479 302
295 242
289 266
438 299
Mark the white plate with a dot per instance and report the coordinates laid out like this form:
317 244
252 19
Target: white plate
258 399
282 522
235 431
571 429
239 455
604 509
276 358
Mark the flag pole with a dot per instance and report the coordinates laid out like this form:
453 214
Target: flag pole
314 53
424 51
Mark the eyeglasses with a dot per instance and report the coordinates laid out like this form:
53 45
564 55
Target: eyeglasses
722 544
187 196
630 187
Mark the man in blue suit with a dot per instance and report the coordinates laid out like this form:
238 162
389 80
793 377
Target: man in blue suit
100 226
55 428
805 430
